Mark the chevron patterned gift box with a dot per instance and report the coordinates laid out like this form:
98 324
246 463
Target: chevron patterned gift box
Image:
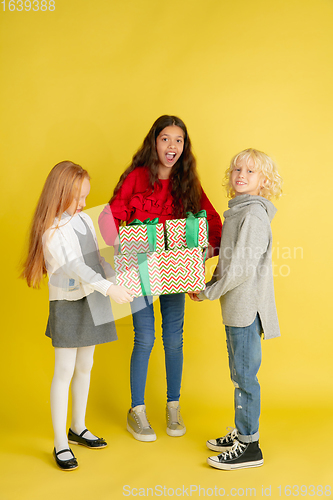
172 271
187 233
142 237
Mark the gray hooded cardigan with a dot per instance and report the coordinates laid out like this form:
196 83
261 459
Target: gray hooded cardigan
243 278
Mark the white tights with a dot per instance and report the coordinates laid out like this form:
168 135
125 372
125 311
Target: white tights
71 364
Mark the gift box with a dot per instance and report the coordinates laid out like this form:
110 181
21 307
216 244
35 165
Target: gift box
142 237
172 271
187 233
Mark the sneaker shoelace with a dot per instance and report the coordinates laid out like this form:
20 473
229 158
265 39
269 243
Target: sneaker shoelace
237 450
173 415
142 419
229 438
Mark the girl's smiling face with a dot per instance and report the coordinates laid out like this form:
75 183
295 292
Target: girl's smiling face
79 203
169 147
245 179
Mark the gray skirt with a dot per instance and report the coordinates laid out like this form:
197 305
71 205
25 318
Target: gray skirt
80 323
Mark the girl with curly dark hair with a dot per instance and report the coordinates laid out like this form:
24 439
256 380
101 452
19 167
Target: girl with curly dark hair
161 181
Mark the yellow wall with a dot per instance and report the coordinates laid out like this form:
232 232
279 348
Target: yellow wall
85 83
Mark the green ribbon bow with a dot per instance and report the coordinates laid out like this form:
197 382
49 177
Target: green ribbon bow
192 228
151 230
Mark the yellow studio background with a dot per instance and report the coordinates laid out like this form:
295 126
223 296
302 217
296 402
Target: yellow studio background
85 82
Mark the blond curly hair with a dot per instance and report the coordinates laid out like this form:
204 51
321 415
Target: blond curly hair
272 187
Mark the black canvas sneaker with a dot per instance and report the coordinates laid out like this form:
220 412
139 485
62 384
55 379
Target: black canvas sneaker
224 443
241 456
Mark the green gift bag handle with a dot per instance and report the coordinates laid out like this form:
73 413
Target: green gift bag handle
151 230
192 228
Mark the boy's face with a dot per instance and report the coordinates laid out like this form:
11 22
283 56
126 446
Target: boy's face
245 179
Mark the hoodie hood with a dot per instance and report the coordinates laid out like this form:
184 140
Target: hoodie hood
245 201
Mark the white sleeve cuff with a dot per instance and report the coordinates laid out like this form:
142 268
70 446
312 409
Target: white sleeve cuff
102 286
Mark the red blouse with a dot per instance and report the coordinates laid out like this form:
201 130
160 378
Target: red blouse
136 200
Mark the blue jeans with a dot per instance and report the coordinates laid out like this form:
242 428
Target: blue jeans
244 350
172 310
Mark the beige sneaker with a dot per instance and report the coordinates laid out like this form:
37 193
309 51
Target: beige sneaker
138 425
175 424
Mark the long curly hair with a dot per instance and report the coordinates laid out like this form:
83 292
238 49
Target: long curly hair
184 181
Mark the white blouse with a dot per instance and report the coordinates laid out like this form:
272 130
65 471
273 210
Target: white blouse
69 277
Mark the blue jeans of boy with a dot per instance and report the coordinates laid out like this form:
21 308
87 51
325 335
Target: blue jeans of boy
244 350
172 310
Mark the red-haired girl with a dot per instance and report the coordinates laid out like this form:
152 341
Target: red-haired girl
161 182
63 245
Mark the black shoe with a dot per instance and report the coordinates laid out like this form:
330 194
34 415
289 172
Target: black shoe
241 456
74 438
69 464
224 443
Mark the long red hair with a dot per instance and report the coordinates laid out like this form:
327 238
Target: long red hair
62 185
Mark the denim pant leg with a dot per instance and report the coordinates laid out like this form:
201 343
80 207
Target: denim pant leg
144 337
172 310
244 350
